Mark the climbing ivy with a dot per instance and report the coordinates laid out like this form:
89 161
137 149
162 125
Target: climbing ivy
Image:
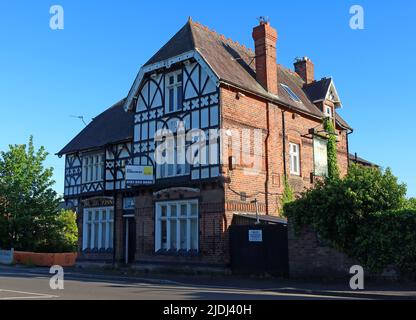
288 195
333 169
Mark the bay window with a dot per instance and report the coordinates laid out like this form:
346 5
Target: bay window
177 226
98 228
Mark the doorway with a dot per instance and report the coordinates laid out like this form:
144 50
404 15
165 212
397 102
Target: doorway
129 239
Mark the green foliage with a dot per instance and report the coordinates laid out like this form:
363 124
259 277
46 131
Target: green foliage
361 215
288 195
333 169
29 216
62 234
388 238
411 203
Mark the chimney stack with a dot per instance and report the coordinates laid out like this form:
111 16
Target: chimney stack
265 39
305 69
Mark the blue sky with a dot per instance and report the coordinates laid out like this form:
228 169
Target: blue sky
46 76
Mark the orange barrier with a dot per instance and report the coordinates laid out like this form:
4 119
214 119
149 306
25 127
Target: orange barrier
45 259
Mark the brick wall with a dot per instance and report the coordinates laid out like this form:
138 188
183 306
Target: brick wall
310 257
253 113
212 243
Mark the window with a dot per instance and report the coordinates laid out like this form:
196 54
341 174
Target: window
320 156
175 164
291 94
328 111
294 158
98 228
177 226
173 93
93 168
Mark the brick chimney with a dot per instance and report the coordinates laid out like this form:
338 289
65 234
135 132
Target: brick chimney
265 39
305 69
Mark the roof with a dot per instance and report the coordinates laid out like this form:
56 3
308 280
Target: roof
113 125
233 63
356 159
270 219
318 90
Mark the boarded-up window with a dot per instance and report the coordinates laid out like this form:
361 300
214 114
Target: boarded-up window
320 156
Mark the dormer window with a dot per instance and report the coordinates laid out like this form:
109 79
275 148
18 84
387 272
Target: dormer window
174 94
328 111
291 94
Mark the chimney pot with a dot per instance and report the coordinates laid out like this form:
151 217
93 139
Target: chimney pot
265 39
305 68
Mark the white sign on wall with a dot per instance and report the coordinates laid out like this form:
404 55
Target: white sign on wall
255 235
6 256
139 175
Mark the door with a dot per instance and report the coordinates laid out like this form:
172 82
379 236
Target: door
129 239
261 249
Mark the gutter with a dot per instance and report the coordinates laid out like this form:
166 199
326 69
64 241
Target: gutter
91 149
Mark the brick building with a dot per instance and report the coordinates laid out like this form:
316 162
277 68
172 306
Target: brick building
200 81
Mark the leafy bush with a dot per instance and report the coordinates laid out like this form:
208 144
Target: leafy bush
361 215
29 215
61 235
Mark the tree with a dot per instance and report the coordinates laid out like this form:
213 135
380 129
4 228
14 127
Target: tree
333 169
28 204
411 203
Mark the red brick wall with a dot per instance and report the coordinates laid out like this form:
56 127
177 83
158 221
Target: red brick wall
310 257
212 246
253 113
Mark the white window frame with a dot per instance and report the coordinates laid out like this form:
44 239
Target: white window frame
90 222
93 168
290 92
294 154
328 111
177 87
189 217
170 170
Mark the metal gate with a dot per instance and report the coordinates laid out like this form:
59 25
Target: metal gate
259 249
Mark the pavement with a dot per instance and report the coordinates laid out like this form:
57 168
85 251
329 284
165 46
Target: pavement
27 283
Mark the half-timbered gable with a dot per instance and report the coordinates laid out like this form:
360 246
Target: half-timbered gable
185 93
95 159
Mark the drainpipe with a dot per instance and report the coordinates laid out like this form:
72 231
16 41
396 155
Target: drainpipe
266 183
348 147
284 143
115 209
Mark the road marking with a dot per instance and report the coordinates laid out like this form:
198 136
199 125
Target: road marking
28 295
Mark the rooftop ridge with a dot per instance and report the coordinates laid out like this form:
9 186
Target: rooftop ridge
222 37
